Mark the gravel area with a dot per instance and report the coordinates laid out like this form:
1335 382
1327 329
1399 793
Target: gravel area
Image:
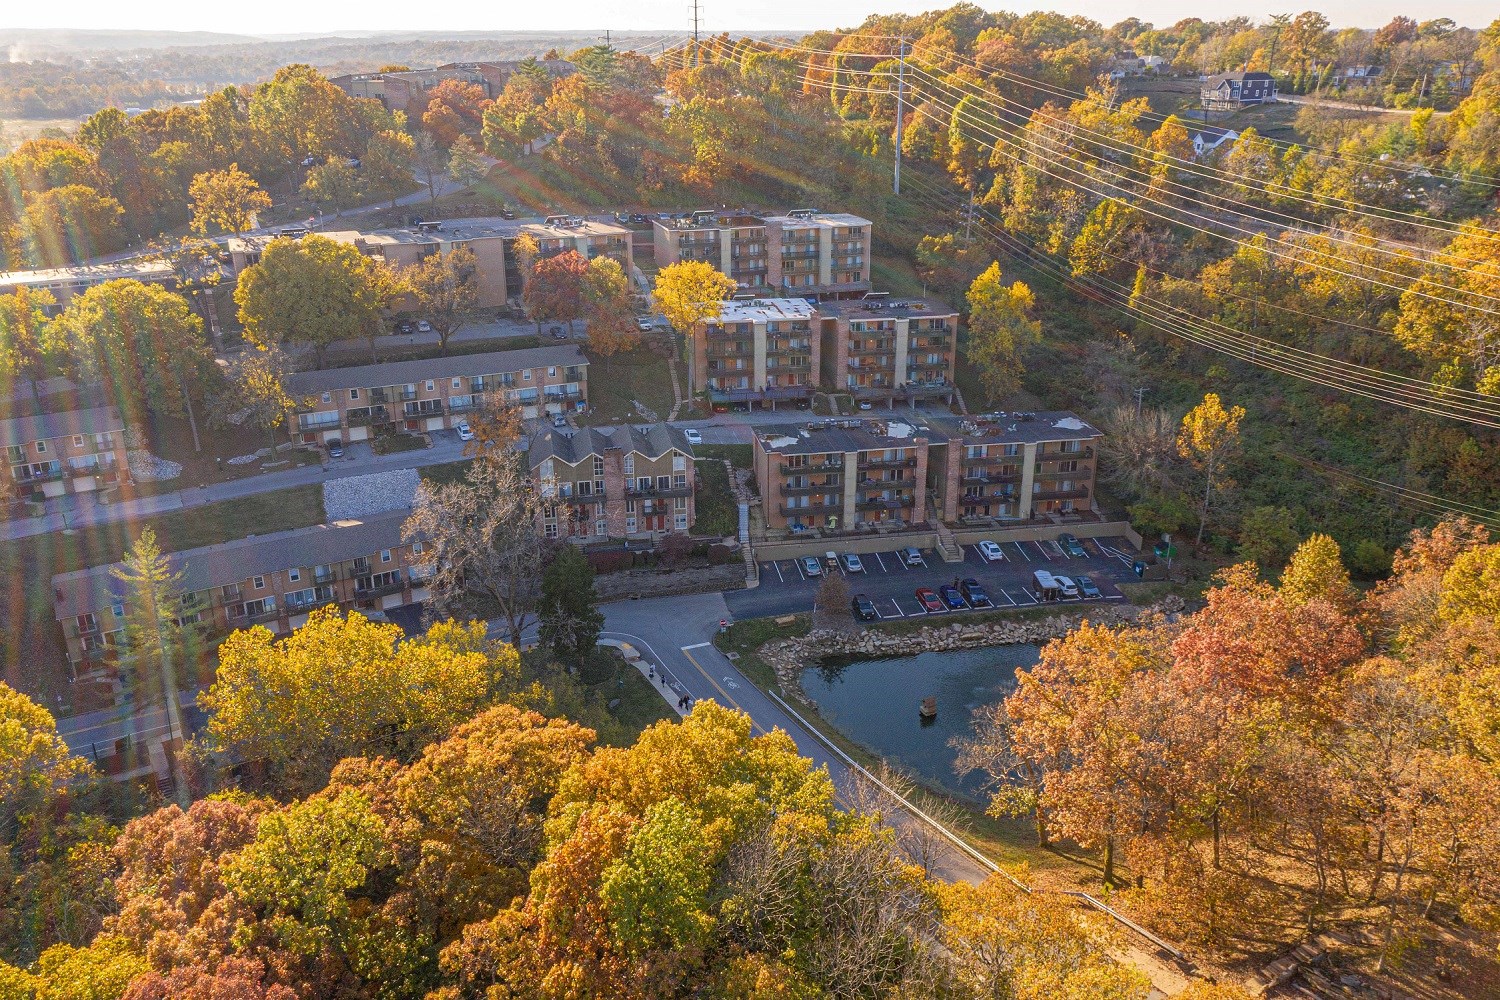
146 467
358 496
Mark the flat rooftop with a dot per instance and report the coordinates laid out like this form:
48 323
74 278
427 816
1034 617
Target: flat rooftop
887 307
843 434
765 310
1029 427
143 270
449 230
744 220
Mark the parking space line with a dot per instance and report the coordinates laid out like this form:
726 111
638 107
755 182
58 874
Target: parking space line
899 612
778 572
798 564
1043 550
881 561
1021 549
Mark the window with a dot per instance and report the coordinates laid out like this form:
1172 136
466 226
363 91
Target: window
294 575
88 623
41 447
630 524
679 521
629 465
552 372
601 528
353 393
526 375
598 467
78 440
551 529
385 555
258 582
680 503
429 385
118 607
547 469
679 481
629 506
679 462
458 383
416 548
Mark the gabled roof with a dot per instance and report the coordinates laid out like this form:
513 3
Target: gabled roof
574 446
410 372
90 590
1240 76
41 426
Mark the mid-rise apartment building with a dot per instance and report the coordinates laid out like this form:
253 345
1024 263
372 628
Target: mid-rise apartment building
841 475
434 393
618 481
759 350
883 349
72 452
497 268
67 283
407 90
844 474
803 252
272 580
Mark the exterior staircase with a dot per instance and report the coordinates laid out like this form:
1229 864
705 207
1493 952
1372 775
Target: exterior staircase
947 545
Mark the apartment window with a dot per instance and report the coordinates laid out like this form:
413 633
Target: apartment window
550 529
630 524
598 467
78 440
41 447
118 607
258 582
353 393
629 465
385 555
552 372
458 383
416 548
526 375
327 397
643 484
294 575
585 488
599 509
679 462
679 522
663 482
429 385
601 528
680 503
630 506
88 623
547 469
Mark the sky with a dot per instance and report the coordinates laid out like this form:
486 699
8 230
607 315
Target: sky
285 16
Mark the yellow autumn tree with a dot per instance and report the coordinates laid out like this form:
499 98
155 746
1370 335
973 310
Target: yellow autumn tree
689 292
1000 324
226 200
1316 571
1208 436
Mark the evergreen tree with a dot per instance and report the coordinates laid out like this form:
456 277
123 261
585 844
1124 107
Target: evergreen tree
570 623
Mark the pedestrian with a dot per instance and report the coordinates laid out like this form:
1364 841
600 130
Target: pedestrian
651 672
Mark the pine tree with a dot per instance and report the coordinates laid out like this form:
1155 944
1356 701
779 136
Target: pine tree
570 623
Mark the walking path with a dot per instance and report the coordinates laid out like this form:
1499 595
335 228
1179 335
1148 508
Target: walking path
677 399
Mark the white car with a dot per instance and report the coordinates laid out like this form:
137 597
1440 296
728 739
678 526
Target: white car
991 551
811 566
423 326
1066 586
465 432
643 325
693 435
852 563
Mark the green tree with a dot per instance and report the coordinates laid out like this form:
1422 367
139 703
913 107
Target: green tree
226 200
336 182
157 640
314 291
465 163
570 623
255 391
999 326
34 761
1316 571
389 163
1268 537
68 225
446 289
1208 437
24 338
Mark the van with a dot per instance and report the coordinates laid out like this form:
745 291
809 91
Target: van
1045 586
912 556
831 560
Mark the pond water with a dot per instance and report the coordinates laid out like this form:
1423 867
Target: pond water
875 702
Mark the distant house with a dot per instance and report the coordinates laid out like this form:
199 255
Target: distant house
1228 91
1360 76
1211 137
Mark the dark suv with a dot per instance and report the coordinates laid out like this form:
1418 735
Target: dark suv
864 608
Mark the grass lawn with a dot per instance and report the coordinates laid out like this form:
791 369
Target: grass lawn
389 444
740 455
718 514
641 704
33 656
172 439
616 381
445 472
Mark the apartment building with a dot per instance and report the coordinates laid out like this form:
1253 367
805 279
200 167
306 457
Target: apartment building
756 351
67 283
407 90
73 452
1015 466
618 481
433 394
882 349
842 475
497 268
803 252
272 580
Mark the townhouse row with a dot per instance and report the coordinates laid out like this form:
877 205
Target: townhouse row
848 475
50 454
272 580
357 403
877 348
613 482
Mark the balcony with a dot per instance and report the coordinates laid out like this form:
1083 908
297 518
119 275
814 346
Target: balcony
881 503
597 496
408 394
884 347
394 587
796 491
426 408
1083 472
462 404
880 364
554 395
368 415
1063 456
980 475
888 463
658 491
25 474
320 597
835 507
1076 493
261 617
793 470
885 484
329 575
317 421
775 367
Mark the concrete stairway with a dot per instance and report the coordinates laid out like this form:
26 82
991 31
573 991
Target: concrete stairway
947 545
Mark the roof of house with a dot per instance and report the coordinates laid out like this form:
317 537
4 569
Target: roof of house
411 372
1242 76
90 274
89 590
41 426
1213 132
574 446
1031 427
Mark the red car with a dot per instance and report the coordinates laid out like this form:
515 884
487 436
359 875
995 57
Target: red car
928 600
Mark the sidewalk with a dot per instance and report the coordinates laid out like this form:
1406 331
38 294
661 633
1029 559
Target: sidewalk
94 513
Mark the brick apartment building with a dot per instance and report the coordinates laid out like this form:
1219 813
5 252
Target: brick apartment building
272 580
434 393
762 350
618 481
804 252
889 350
497 269
407 90
67 283
844 474
73 452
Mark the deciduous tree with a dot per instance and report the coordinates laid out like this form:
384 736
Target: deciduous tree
555 289
445 287
336 183
691 291
607 308
255 391
1000 325
1209 436
226 201
25 343
389 163
34 761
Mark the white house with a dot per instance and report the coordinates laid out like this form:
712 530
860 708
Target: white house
1211 137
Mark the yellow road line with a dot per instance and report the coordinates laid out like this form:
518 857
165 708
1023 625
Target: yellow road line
719 688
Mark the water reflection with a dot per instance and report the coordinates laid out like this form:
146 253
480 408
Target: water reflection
875 702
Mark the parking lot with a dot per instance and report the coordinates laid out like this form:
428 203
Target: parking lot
891 585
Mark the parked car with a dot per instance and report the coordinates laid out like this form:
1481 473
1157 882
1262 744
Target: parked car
1087 588
405 326
423 326
952 597
507 214
558 420
852 563
1071 545
928 600
557 332
644 325
975 593
864 608
811 566
864 404
1066 586
639 219
912 556
335 448
693 435
465 432
991 551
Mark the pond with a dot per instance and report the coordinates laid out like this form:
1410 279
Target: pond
875 702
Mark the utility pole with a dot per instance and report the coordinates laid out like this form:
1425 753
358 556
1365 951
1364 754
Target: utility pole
606 38
900 106
969 218
1140 396
695 33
